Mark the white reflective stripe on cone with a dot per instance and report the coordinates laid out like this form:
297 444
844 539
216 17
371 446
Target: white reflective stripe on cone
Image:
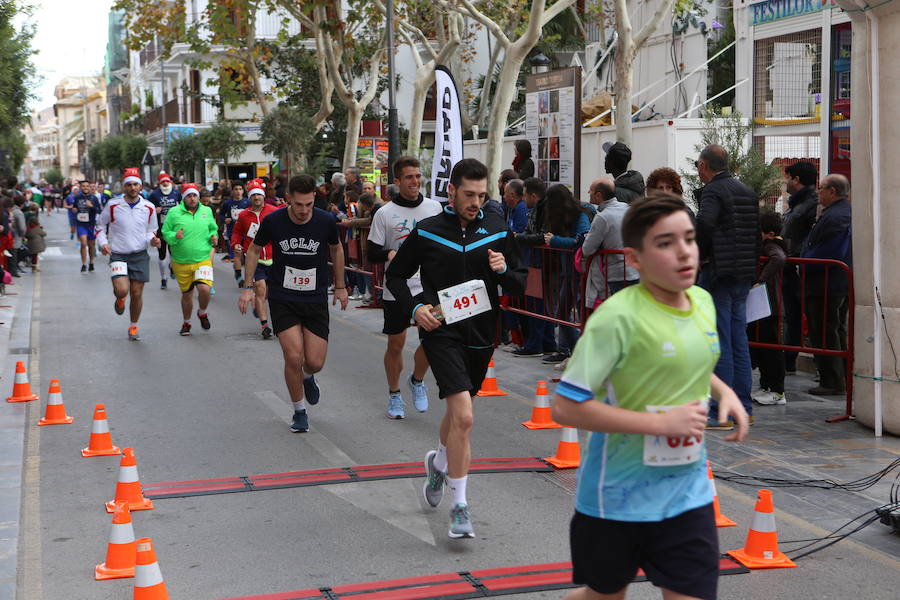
21 378
712 485
55 398
100 426
128 474
147 575
541 401
570 434
763 522
490 373
121 533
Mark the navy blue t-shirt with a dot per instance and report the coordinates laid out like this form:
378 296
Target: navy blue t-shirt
299 251
85 215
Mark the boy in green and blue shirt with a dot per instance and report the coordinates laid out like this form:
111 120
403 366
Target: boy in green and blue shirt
647 356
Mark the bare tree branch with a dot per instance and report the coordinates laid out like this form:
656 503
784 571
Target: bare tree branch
664 9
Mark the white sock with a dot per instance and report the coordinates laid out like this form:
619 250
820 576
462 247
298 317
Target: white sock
307 375
134 324
299 406
440 459
458 487
163 268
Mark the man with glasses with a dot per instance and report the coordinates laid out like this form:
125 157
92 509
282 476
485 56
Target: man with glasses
827 306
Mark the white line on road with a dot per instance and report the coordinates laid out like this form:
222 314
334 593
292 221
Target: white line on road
393 501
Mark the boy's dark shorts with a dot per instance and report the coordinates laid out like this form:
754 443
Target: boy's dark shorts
456 367
311 315
679 554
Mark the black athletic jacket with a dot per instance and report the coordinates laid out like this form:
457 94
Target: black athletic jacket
448 255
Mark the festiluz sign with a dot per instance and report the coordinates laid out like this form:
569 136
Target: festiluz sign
774 10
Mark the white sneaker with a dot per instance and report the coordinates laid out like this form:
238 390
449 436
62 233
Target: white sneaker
561 366
772 398
356 297
510 347
760 393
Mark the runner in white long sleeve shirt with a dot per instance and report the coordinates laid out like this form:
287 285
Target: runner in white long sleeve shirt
124 227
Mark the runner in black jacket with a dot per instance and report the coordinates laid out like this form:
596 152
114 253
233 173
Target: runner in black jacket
462 245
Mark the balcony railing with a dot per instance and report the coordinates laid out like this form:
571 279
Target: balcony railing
153 120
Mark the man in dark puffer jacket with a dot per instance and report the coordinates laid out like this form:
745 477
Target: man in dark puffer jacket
729 240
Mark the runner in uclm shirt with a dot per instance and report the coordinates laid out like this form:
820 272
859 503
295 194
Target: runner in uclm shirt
302 252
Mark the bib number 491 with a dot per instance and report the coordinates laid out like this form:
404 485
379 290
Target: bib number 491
465 302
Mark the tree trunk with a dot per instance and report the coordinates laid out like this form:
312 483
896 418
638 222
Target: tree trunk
420 94
503 99
624 82
354 118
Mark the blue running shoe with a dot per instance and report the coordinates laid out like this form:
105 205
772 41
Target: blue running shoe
395 406
433 489
300 423
311 390
420 394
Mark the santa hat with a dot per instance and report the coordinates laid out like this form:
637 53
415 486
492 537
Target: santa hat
163 176
132 175
190 188
256 186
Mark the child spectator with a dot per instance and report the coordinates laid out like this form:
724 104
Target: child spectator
34 237
770 361
639 380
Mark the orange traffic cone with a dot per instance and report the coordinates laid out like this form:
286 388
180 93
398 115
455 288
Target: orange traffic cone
120 550
21 388
55 412
101 440
128 489
540 412
148 579
760 551
489 387
568 452
721 520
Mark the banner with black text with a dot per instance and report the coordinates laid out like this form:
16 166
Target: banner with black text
448 135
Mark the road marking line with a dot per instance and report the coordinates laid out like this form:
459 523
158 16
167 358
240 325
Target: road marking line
30 576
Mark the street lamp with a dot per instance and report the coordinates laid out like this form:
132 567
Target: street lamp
540 63
393 125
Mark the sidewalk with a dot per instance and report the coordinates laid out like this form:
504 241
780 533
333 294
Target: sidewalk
15 345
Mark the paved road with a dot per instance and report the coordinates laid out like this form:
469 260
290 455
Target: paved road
214 405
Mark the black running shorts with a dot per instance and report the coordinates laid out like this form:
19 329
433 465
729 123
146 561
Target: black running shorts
311 315
679 554
396 320
456 367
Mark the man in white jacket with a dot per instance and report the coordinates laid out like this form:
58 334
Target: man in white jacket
124 227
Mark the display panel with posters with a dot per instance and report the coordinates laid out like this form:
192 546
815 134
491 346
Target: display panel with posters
371 158
553 125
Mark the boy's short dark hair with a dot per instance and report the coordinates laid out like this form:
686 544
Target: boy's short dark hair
302 184
403 162
32 221
468 168
805 171
644 213
239 184
770 222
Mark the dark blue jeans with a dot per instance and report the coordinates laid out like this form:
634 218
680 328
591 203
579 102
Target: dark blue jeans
540 332
730 298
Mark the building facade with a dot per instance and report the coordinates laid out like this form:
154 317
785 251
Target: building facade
82 118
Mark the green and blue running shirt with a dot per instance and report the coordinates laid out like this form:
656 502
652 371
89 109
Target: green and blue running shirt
637 353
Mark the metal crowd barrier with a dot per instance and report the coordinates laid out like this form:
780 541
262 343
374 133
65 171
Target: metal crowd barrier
557 293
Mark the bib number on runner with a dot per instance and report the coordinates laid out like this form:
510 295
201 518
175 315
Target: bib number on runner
665 451
464 300
83 217
301 280
251 231
205 273
118 268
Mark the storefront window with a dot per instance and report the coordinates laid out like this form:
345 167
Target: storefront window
787 79
839 144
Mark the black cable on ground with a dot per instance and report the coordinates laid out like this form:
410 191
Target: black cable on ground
857 485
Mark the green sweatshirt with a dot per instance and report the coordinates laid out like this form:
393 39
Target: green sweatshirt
198 227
